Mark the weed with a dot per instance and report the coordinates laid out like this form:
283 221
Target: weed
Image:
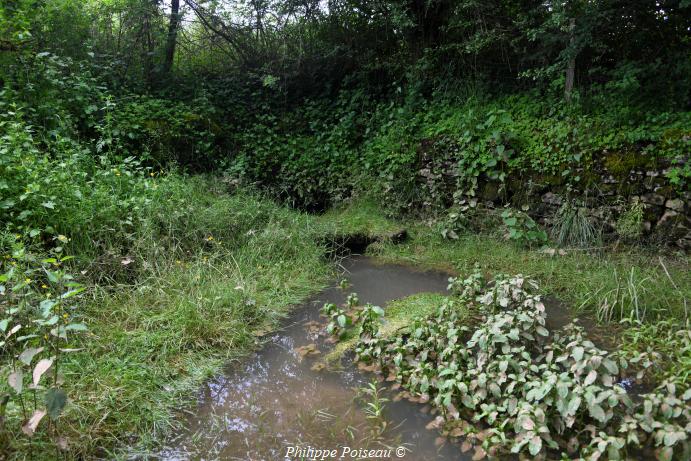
527 386
572 227
630 223
522 229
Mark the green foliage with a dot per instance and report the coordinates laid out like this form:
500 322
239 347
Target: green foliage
630 222
339 322
164 132
40 320
513 386
572 227
522 229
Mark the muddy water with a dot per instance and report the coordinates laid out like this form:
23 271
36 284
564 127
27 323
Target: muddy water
275 400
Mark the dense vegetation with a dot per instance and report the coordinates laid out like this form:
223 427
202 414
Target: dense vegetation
151 152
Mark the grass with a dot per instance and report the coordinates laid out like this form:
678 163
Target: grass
209 274
582 279
362 217
203 273
645 294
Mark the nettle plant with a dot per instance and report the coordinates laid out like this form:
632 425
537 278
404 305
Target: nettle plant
38 323
513 386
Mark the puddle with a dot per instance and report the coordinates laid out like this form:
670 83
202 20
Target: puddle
274 399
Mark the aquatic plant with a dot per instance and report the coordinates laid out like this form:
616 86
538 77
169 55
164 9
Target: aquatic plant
339 322
513 386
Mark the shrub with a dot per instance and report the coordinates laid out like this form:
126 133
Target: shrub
39 320
506 382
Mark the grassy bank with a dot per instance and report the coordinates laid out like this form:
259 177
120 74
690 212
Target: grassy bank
642 296
642 284
503 372
205 274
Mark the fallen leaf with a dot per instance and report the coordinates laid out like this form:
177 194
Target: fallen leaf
319 366
62 444
457 432
435 423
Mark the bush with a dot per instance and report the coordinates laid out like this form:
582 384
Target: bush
501 378
164 132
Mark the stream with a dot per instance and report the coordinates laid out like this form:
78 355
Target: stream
273 400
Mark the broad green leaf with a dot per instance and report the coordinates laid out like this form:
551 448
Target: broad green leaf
590 378
55 402
597 412
577 353
535 445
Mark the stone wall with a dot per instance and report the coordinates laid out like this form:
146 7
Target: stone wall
607 188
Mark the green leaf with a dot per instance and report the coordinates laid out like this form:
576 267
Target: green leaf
574 404
577 353
535 445
78 327
341 320
597 412
56 399
71 293
590 379
51 276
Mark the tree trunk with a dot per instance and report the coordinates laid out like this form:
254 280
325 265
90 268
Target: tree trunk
172 35
571 67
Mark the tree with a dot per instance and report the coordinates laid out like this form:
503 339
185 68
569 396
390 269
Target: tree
172 36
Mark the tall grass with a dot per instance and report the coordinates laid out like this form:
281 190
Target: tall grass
205 273
572 227
630 283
